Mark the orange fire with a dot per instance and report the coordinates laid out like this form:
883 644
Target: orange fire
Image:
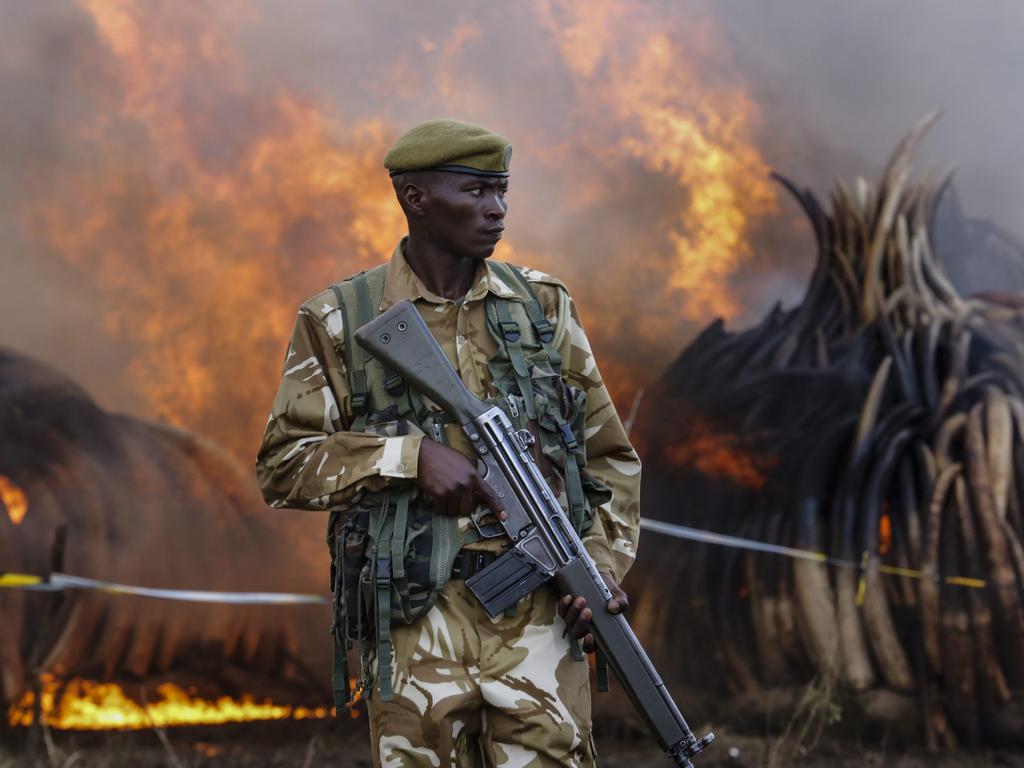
884 534
13 499
89 706
206 242
667 112
209 206
719 454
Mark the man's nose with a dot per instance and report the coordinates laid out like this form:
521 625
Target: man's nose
496 207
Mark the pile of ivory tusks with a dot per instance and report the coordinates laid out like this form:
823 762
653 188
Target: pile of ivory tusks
938 448
921 468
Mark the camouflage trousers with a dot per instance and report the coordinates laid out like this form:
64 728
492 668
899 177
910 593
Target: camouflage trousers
470 690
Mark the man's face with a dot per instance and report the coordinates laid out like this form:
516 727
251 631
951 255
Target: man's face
464 214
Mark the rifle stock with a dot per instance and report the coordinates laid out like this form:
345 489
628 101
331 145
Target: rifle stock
401 341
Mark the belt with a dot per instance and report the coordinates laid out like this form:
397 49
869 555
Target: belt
469 562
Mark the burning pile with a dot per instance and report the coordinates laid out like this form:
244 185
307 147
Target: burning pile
885 419
200 191
84 705
108 497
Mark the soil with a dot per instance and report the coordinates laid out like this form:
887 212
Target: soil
344 743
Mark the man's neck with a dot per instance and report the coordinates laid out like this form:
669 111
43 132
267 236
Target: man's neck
443 274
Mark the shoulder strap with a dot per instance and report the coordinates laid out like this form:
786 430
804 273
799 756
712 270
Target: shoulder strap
511 337
545 331
546 334
359 298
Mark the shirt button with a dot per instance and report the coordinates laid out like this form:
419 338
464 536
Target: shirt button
401 467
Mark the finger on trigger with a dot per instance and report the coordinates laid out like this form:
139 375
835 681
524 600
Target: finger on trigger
490 497
466 504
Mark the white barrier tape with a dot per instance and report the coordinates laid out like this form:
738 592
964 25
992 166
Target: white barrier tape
724 540
59 581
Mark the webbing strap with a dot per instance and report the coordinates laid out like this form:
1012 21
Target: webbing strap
513 348
545 331
383 584
349 349
512 340
601 670
364 314
353 297
339 627
573 481
340 675
398 532
382 596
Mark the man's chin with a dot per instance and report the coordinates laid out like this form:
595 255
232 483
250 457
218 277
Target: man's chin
481 254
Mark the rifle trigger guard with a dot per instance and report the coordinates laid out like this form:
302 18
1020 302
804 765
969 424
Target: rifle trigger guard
489 531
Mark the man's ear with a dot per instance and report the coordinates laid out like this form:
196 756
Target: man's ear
413 195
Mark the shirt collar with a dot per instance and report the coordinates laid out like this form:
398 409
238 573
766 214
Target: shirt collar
400 282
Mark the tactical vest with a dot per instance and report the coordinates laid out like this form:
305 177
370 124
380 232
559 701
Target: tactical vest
390 554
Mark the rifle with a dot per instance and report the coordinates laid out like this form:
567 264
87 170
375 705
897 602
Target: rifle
545 547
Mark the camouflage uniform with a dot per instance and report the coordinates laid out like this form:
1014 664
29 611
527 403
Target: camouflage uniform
459 677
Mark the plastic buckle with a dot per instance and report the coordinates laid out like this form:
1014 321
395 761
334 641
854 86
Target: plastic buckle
394 384
383 572
510 331
568 437
359 403
544 331
479 562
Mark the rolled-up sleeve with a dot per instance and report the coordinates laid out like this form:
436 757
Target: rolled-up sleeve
308 458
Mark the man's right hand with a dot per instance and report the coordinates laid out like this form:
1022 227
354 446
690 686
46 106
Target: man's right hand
451 483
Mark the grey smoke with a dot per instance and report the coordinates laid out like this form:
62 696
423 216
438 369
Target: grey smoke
838 83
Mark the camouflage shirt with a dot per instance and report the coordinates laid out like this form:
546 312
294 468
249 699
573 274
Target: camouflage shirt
309 460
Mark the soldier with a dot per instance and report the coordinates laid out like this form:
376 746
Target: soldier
445 683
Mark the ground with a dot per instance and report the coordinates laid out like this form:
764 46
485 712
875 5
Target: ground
343 743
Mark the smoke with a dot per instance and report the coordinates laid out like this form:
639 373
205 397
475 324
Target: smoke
177 177
850 78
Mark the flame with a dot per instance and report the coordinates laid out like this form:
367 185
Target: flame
203 206
654 96
704 146
87 706
884 534
210 236
13 500
719 454
682 124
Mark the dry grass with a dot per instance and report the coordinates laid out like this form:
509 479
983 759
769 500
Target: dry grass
344 745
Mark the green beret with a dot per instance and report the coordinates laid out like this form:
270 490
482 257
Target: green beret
450 145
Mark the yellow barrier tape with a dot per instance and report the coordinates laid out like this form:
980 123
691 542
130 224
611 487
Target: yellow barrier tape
910 573
964 581
19 580
58 581
866 563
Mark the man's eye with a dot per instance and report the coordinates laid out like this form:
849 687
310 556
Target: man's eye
476 191
503 191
